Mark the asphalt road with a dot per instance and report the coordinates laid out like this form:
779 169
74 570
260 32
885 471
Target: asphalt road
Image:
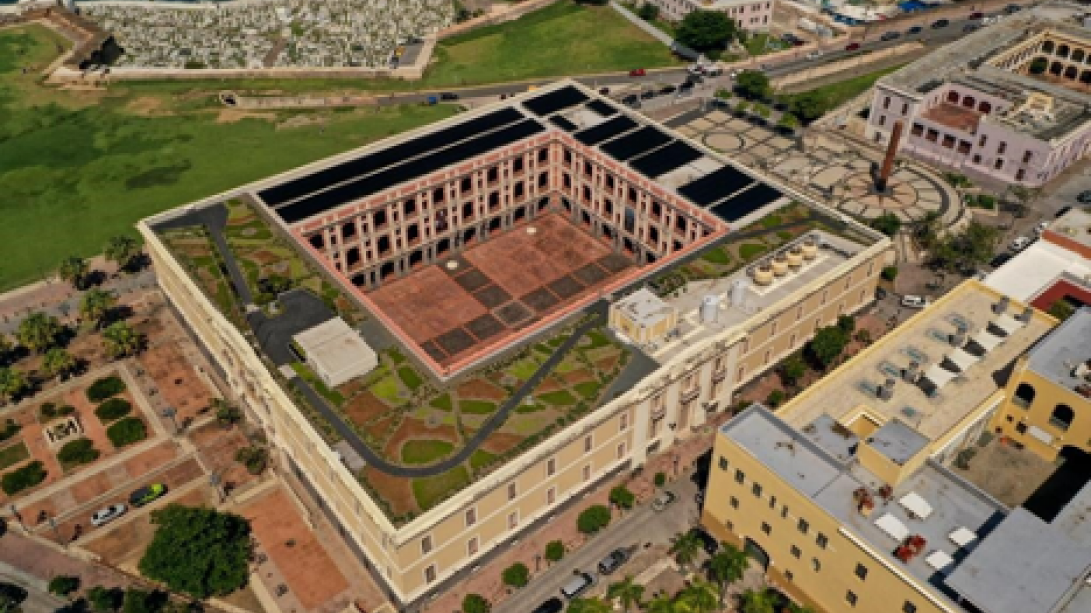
639 526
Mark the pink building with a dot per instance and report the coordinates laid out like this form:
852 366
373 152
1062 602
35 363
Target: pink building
750 15
1010 102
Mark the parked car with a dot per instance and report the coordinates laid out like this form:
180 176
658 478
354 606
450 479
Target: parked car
109 514
638 72
940 23
910 301
553 605
147 494
685 86
613 561
448 96
977 15
1011 9
605 91
1020 243
661 501
630 100
890 36
695 78
707 542
667 89
914 30
970 27
1061 211
852 47
713 71
577 585
814 54
647 95
791 39
1000 260
1084 197
696 69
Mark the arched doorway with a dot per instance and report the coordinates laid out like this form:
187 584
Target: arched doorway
756 552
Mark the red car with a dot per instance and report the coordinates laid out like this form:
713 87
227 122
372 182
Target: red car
977 15
638 72
852 46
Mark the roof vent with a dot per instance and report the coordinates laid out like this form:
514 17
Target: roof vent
1025 316
958 339
911 374
886 390
1001 307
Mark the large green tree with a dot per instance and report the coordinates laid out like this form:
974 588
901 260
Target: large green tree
726 567
758 601
121 340
974 245
38 332
706 30
827 345
754 85
626 592
58 362
198 551
685 547
73 269
13 383
700 596
809 105
96 304
122 249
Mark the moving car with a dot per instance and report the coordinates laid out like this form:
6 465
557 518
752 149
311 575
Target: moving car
647 95
147 494
970 27
577 585
1020 243
667 89
1061 211
661 501
1011 9
852 47
638 72
613 561
707 542
940 23
553 605
910 301
977 15
890 35
914 30
815 54
448 96
109 514
1084 197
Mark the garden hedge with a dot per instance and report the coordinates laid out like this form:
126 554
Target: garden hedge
104 388
127 431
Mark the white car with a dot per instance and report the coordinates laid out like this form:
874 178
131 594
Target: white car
815 54
1020 243
696 69
661 501
910 301
109 514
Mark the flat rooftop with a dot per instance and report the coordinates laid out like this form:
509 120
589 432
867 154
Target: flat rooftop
955 380
1036 268
1064 357
831 482
1074 225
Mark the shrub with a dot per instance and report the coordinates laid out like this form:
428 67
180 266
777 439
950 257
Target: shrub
105 599
516 575
126 432
847 323
10 429
863 335
554 551
889 273
254 458
198 551
475 603
24 478
63 585
660 479
792 369
104 388
775 398
622 497
80 451
113 409
593 519
47 411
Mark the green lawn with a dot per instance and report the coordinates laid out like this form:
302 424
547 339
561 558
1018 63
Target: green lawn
749 251
836 94
430 490
558 398
77 169
425 452
13 454
332 396
476 407
409 377
480 459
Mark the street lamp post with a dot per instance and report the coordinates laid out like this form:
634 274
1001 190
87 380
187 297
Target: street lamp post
214 480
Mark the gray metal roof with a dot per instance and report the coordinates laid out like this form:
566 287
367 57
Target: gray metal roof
1057 355
897 441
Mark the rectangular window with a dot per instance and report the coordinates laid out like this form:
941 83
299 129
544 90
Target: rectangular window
620 451
551 495
471 546
766 528
723 463
850 598
948 141
551 467
757 490
587 444
1002 148
821 541
740 476
513 491
932 135
917 129
804 526
426 545
587 473
796 553
430 574
624 422
471 517
513 519
772 502
734 503
861 571
784 512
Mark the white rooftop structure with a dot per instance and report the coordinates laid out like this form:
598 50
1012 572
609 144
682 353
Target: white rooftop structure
1036 268
644 308
336 352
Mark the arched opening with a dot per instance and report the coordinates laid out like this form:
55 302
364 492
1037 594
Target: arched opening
416 258
1078 55
985 107
1056 68
1071 73
1047 47
1085 77
952 97
359 280
1024 395
494 224
386 271
755 551
1062 417
585 217
519 215
469 236
969 102
443 246
1062 51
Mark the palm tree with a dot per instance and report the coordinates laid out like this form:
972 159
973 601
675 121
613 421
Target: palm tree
627 592
226 413
58 362
589 605
758 601
73 269
700 596
686 547
122 249
726 567
95 305
6 347
121 340
664 603
38 332
13 383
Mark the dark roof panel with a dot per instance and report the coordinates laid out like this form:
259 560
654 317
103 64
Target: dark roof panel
747 202
372 162
607 129
715 186
602 108
413 169
662 161
636 143
555 100
562 123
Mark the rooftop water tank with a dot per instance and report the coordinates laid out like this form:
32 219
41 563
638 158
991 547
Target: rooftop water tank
709 304
739 287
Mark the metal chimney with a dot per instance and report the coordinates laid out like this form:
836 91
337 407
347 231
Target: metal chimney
1001 307
1027 313
911 374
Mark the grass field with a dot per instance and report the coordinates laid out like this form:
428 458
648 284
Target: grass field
562 39
79 167
836 94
